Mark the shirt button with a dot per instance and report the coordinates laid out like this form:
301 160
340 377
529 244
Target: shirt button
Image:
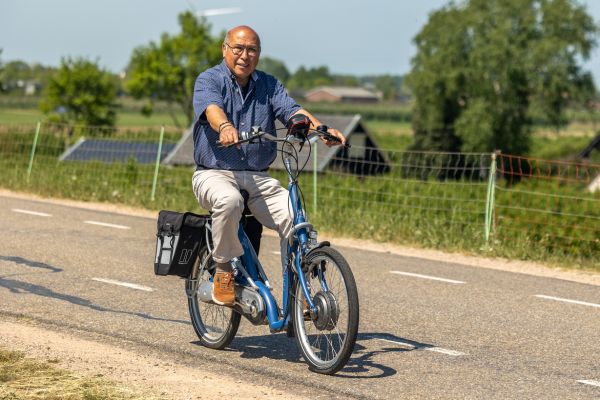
242 123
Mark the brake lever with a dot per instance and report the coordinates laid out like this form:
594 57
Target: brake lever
330 138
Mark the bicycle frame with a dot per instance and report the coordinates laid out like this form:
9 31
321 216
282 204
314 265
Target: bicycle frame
252 273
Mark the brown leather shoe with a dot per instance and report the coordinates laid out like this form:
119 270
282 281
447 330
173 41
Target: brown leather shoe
223 292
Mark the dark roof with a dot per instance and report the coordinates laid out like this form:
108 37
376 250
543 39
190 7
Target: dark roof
107 150
594 144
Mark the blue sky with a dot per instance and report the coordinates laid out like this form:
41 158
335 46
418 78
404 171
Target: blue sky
352 36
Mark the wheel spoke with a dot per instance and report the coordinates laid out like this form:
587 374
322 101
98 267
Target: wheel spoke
328 340
215 325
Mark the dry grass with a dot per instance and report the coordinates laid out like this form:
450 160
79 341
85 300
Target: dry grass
26 379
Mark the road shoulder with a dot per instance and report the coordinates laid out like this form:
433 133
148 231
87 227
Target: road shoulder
139 370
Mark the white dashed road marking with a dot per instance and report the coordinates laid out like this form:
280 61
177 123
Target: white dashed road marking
126 284
453 353
433 278
107 225
591 383
29 212
581 303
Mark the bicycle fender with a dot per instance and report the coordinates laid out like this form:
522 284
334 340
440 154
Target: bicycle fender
320 245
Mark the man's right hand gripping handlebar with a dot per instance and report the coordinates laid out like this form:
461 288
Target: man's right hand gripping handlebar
228 135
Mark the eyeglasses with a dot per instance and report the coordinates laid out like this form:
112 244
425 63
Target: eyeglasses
239 49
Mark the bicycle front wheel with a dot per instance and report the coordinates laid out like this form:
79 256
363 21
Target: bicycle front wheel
215 325
326 339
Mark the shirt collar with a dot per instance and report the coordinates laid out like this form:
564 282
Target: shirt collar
225 70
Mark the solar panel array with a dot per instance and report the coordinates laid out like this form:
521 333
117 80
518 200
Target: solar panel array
111 151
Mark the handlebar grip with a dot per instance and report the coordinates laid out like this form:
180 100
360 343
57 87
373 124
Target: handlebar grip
244 136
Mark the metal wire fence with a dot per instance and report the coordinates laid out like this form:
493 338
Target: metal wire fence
548 207
479 202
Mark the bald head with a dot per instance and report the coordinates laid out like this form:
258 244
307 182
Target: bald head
242 31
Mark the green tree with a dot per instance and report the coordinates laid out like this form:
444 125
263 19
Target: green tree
304 78
274 67
481 64
80 93
14 75
167 71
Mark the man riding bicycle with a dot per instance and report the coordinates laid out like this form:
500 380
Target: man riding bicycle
228 97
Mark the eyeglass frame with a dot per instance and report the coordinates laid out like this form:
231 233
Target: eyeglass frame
251 51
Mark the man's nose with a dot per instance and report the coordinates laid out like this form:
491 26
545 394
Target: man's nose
244 53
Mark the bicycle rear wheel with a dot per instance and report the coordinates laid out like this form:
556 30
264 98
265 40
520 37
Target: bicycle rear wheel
327 339
215 325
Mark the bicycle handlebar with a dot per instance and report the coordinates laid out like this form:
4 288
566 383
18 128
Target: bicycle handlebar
256 132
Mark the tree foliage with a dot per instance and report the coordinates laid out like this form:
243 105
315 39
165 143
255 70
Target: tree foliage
166 71
15 74
308 78
482 65
80 93
274 67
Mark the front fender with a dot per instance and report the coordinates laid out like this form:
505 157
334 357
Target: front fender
320 245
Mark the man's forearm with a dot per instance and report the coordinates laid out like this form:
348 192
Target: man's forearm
216 117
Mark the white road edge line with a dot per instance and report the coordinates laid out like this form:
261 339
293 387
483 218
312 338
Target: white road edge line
591 383
108 225
39 214
453 353
433 278
126 284
582 303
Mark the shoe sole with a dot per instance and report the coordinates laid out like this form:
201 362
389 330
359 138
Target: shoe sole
222 303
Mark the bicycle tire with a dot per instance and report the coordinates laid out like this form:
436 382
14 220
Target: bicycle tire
215 325
327 342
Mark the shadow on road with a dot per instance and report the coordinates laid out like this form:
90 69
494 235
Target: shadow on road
18 287
362 364
29 263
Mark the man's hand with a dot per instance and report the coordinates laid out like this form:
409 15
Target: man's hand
337 134
229 136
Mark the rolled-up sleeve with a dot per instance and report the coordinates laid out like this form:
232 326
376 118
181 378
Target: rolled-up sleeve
283 105
207 91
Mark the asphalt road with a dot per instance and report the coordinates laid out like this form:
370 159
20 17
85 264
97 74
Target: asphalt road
427 330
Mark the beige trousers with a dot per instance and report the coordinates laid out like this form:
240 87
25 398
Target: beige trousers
219 192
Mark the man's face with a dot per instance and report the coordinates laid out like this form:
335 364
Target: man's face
247 44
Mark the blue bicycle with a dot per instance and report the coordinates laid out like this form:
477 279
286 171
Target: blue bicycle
319 296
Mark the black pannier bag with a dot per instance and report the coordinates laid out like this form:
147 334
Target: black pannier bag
178 239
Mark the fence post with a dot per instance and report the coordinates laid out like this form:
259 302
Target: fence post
489 204
315 165
158 153
35 140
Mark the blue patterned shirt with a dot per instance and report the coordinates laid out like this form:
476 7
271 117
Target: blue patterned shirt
266 100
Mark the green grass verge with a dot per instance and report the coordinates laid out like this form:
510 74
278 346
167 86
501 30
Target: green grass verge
23 378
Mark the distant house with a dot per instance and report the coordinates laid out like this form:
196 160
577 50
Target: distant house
342 94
